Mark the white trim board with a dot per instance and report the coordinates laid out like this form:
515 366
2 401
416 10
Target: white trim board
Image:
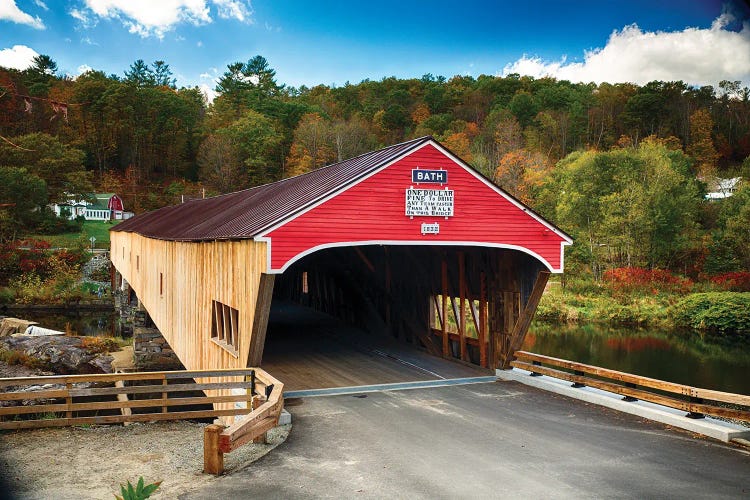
717 429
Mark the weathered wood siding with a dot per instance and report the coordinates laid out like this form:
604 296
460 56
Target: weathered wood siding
374 211
177 281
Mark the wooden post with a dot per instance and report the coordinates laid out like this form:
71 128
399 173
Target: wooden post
68 400
462 306
263 438
444 310
522 325
482 320
213 457
260 323
387 288
164 396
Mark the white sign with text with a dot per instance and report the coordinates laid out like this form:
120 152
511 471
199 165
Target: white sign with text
429 202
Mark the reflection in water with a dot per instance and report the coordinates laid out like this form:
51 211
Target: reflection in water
676 357
90 323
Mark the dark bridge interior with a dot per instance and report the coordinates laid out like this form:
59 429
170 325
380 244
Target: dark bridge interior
456 303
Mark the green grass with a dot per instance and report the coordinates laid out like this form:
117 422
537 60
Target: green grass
95 228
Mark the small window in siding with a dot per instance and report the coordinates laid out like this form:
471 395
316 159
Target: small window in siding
225 326
137 262
161 283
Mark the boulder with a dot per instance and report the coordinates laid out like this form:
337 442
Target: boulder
11 326
61 354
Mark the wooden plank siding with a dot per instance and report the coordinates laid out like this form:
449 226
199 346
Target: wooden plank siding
176 282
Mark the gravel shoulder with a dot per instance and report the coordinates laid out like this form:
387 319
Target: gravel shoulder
92 462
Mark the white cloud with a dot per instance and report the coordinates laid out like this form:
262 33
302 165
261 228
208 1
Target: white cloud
211 77
208 91
199 43
84 68
234 9
82 16
155 18
41 4
9 11
88 41
694 55
18 57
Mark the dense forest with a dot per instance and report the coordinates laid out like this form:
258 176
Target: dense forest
623 168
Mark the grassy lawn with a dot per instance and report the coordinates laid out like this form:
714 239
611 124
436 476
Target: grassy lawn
95 228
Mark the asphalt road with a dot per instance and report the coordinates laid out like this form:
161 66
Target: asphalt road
495 440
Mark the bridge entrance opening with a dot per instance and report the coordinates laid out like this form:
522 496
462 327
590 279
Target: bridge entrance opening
360 315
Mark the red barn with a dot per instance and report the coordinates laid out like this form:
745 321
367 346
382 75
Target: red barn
408 241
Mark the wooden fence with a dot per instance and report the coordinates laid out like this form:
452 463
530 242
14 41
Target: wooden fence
697 402
267 407
123 397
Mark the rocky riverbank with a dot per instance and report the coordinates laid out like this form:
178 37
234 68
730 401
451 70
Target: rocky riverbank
60 354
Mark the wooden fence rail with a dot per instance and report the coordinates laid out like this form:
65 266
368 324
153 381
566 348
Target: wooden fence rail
56 401
267 406
697 402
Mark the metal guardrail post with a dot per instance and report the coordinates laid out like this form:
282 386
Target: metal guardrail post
695 414
578 385
533 373
630 399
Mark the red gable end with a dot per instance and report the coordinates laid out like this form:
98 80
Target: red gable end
115 203
374 211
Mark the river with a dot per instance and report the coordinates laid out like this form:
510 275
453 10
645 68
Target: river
683 358
90 323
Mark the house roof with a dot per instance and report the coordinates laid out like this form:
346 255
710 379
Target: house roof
245 214
101 201
249 213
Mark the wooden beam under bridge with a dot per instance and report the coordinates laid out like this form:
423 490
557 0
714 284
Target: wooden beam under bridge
522 325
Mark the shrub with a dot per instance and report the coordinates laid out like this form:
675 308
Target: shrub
735 282
96 345
720 313
630 279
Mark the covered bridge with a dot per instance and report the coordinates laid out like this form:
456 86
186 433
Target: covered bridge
408 242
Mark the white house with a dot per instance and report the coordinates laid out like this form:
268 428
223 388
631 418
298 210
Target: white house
723 188
107 206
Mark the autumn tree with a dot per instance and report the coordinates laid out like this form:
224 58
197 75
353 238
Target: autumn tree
701 146
351 138
521 172
220 163
311 148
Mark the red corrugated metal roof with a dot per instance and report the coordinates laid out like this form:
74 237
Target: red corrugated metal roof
248 213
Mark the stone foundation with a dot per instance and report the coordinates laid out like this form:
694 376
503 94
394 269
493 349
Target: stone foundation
151 352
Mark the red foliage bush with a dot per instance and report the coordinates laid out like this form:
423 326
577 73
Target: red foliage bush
734 282
623 279
33 256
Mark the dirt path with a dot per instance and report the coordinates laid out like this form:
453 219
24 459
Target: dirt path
92 462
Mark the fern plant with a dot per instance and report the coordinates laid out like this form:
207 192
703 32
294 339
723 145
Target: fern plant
140 492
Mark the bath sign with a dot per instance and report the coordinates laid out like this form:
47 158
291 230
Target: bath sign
429 202
420 175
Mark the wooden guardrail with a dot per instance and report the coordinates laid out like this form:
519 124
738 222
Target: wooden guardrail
132 397
697 402
267 406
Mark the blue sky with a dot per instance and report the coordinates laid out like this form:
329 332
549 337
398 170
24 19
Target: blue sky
332 42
